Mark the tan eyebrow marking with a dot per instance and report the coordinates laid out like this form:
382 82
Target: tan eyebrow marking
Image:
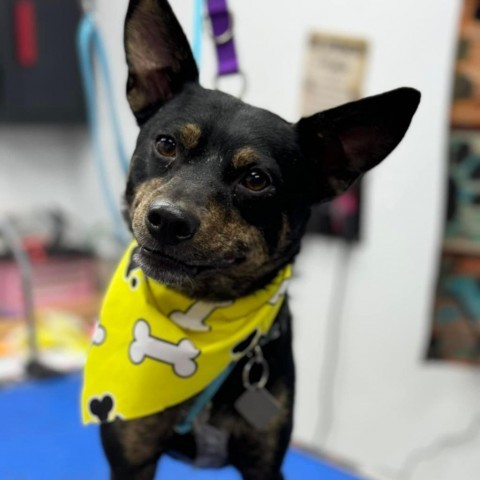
244 157
190 135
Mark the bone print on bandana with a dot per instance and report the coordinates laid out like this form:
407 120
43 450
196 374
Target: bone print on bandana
280 293
99 335
101 407
180 356
197 314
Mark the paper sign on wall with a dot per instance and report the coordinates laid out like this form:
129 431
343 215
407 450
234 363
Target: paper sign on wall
334 72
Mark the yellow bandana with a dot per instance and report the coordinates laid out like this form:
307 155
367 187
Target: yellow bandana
154 347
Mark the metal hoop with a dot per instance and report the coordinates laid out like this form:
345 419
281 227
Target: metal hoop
241 75
259 360
225 36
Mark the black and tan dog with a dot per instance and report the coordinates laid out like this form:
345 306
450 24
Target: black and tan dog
218 196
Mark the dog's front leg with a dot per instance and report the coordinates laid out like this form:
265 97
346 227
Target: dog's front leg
133 447
258 455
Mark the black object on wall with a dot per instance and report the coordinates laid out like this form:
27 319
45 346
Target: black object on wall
39 75
339 218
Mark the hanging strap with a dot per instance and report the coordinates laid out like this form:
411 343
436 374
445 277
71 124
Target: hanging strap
222 31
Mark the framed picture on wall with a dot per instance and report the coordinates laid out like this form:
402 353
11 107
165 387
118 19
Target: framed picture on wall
455 333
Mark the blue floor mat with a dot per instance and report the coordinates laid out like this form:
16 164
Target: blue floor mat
41 438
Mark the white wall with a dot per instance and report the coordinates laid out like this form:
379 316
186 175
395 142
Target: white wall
387 402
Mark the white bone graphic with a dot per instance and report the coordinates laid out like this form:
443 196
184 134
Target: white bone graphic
282 290
195 316
181 356
99 335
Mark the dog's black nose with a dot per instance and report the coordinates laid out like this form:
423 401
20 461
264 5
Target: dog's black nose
169 224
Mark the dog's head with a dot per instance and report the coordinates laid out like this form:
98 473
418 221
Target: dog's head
219 191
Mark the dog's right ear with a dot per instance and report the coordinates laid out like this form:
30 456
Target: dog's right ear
159 58
343 143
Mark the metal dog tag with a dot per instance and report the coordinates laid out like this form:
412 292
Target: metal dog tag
258 407
256 404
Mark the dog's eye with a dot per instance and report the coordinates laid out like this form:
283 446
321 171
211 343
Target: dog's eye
256 180
166 147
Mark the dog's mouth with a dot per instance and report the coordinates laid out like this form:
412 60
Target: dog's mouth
157 263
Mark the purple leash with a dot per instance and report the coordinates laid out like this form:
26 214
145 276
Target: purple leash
221 20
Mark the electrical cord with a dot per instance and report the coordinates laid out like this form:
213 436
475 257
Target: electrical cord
23 262
331 355
325 422
329 376
452 440
34 367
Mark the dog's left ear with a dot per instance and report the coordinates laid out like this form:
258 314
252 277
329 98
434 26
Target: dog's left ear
159 58
343 143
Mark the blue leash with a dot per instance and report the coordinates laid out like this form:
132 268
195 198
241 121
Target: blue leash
202 400
90 41
197 30
89 44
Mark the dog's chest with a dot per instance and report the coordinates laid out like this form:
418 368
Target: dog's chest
206 446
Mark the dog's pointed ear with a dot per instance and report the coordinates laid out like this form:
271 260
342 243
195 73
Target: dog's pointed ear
159 58
343 143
